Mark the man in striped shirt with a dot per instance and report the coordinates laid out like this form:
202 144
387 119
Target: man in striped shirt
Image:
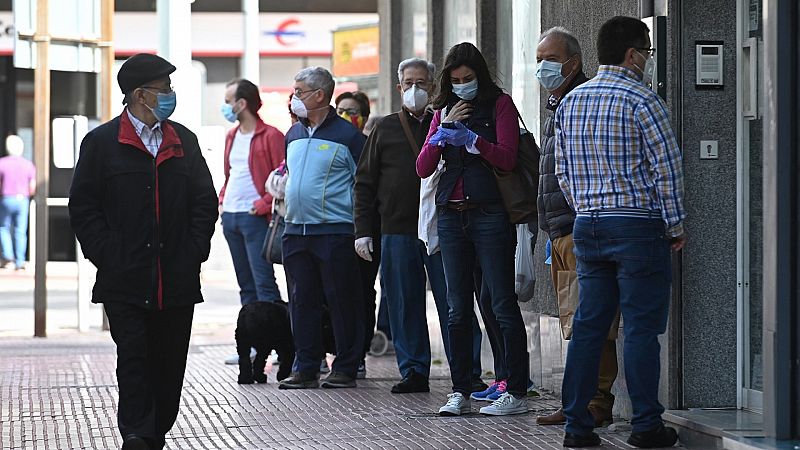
620 169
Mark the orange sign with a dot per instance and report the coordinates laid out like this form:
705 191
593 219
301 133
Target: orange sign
356 52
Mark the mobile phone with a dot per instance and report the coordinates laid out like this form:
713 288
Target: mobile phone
450 125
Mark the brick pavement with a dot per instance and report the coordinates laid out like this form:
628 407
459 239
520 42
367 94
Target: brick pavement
60 393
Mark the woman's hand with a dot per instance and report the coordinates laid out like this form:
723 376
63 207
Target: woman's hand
461 111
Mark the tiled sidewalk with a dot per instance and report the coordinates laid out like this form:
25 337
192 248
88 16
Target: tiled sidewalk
60 393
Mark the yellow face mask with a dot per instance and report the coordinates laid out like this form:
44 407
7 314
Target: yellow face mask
356 120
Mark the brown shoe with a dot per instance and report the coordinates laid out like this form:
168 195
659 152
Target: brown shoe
557 418
602 416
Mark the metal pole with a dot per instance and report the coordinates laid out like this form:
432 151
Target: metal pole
41 121
251 53
106 81
175 31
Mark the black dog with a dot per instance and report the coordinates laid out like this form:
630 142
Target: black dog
264 326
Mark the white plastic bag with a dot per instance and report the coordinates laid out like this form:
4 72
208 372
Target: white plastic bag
525 277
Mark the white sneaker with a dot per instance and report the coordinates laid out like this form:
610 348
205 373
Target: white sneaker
456 405
505 405
323 366
234 359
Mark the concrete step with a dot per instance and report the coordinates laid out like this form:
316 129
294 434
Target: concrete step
729 429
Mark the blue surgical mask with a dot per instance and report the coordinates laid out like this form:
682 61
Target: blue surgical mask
228 113
165 105
549 74
466 91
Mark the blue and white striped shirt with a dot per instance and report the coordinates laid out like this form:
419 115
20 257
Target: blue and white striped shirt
615 149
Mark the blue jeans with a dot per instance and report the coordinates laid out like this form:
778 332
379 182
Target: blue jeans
493 331
403 264
622 263
245 234
14 221
483 236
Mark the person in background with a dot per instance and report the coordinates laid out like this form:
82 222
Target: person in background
560 70
624 180
475 129
17 186
143 207
321 154
253 150
354 108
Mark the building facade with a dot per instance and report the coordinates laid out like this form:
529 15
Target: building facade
714 354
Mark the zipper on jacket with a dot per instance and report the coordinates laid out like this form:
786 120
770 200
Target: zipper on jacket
156 277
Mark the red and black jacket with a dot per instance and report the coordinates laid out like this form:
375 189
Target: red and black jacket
145 222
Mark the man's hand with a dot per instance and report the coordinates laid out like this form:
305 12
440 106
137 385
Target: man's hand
364 248
678 242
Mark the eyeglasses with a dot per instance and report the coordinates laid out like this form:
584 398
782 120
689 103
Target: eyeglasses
650 51
419 84
298 92
349 111
159 89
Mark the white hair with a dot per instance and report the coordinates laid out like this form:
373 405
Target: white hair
317 78
14 145
416 62
573 46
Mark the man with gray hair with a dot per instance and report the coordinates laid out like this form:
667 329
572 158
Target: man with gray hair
559 71
17 185
322 150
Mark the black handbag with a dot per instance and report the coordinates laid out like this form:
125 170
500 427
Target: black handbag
519 187
272 250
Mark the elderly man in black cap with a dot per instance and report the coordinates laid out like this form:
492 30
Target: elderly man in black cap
143 207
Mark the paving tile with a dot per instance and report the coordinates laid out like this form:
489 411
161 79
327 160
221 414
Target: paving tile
61 394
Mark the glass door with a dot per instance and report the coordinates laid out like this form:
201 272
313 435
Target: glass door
750 206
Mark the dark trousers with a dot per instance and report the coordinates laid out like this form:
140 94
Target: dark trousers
622 263
383 314
493 331
485 237
369 272
151 359
245 234
324 264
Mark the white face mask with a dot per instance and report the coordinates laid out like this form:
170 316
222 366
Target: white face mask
415 99
298 107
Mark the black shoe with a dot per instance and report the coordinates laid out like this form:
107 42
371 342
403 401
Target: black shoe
478 385
413 382
576 440
300 380
134 442
660 437
338 380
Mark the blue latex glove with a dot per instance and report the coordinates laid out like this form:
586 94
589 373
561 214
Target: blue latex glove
460 135
548 252
438 138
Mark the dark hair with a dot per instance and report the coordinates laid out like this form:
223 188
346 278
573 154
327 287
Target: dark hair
360 98
465 54
617 35
247 90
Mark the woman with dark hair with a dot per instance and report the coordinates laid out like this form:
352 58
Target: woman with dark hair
475 131
353 107
253 150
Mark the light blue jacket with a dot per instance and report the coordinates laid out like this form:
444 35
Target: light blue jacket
322 167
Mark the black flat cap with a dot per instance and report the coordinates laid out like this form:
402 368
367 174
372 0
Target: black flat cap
140 69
